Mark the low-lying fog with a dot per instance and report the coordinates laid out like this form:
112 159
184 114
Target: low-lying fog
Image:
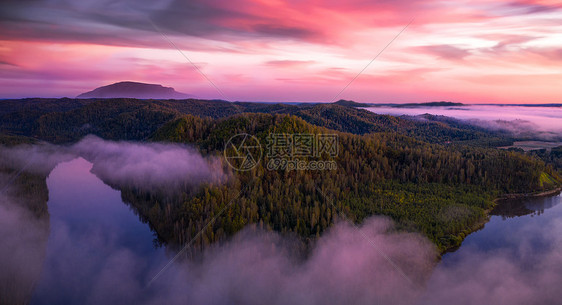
348 265
544 122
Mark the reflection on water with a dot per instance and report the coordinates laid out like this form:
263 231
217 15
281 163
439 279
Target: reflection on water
521 207
512 260
96 242
98 252
541 204
514 224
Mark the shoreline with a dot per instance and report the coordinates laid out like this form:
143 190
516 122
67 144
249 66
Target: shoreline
479 225
548 193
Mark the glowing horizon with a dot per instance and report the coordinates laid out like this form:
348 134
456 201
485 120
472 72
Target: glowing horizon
288 51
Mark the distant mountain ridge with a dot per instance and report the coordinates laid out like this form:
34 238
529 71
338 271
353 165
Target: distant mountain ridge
137 90
348 103
430 104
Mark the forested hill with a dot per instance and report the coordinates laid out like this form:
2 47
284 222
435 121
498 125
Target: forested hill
429 188
436 176
68 120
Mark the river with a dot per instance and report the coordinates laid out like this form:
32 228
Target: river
93 233
97 242
513 225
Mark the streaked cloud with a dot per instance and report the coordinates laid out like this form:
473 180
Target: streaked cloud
256 49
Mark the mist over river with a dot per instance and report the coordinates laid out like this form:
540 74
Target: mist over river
516 258
540 121
100 252
95 243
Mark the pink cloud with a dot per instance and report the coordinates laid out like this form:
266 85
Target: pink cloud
270 50
447 52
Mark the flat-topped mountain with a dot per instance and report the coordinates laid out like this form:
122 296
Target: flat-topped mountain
134 90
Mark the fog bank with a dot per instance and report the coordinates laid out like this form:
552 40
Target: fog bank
146 166
23 241
528 270
149 166
346 266
255 267
541 122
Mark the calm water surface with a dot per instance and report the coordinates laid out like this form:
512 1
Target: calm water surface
97 242
516 228
93 233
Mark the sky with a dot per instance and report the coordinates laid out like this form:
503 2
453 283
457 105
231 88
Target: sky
476 51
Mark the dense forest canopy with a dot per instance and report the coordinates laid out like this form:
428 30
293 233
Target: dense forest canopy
68 120
435 175
443 191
